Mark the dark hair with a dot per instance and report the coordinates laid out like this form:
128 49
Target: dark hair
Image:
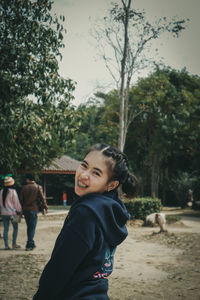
5 191
119 168
30 176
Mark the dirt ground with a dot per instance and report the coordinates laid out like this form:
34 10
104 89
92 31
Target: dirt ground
148 265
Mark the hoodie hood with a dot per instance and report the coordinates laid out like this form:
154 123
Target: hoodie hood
110 213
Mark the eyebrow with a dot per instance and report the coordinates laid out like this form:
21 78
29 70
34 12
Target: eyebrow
97 169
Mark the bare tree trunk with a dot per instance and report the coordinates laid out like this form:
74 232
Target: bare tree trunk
127 51
121 121
122 93
155 176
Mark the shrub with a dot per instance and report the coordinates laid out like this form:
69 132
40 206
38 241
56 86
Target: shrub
139 208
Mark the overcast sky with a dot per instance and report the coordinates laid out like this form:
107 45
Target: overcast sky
80 61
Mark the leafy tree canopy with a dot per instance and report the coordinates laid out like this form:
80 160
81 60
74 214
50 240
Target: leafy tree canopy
166 135
99 123
36 117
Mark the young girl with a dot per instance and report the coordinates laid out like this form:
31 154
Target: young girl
10 208
82 257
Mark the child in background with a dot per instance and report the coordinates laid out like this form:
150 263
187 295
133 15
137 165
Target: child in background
64 199
10 211
82 257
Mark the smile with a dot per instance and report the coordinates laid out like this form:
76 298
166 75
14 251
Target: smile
82 185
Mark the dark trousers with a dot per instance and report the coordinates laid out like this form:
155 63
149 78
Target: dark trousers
31 222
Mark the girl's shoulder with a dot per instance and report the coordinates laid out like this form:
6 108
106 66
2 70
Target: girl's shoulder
96 202
107 195
84 205
91 200
13 193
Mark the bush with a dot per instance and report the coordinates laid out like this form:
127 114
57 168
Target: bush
139 208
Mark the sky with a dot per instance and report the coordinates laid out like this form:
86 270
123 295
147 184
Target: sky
80 61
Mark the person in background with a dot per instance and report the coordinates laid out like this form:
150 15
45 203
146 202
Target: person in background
28 198
190 198
64 199
83 254
10 211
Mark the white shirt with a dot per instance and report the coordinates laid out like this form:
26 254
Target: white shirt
12 204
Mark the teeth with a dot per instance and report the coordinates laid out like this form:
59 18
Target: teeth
81 184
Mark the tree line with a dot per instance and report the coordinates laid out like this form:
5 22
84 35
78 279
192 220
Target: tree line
163 140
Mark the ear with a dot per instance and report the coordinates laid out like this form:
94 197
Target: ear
112 185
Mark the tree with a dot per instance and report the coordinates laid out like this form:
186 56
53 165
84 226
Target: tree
164 138
127 33
36 118
99 124
30 43
34 134
163 141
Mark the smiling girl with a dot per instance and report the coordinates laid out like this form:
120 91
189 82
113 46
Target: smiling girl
82 257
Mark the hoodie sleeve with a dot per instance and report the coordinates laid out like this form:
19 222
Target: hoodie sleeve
72 245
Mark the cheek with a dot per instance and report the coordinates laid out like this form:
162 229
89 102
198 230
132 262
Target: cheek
77 173
103 183
78 170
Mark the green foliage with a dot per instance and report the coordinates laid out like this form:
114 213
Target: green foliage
34 135
36 119
168 130
99 124
162 141
30 42
139 208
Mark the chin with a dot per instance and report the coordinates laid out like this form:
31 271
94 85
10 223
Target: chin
79 193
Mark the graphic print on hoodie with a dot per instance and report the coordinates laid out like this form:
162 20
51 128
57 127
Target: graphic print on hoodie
107 267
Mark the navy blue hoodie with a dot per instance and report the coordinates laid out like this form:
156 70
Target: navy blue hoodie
82 257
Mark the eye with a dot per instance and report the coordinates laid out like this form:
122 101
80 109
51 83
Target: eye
96 173
83 165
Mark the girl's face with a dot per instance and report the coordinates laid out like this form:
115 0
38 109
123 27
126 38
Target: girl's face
92 176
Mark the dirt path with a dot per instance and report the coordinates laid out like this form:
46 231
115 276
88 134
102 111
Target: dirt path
148 265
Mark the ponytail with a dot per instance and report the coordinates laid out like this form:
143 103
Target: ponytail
130 186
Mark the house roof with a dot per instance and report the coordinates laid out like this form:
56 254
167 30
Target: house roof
63 165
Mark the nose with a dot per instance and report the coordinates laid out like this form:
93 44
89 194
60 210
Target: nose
84 175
